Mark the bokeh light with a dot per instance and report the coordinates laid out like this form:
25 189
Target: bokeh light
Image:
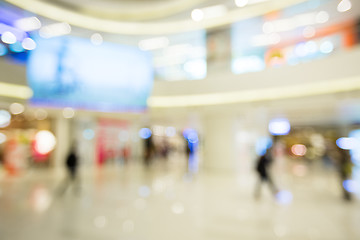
327 47
284 197
197 15
28 44
96 39
347 143
241 3
88 134
8 37
145 133
41 114
54 30
5 118
40 199
3 50
16 108
279 126
262 144
350 185
193 137
68 112
16 47
322 17
45 142
298 149
344 5
28 24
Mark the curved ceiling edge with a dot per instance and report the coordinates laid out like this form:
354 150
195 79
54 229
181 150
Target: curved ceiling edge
150 28
257 95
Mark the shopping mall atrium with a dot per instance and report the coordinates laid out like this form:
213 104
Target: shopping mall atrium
180 119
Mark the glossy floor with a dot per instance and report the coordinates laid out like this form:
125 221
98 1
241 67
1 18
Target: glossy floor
163 203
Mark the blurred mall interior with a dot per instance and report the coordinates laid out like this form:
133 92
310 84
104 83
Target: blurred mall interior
180 119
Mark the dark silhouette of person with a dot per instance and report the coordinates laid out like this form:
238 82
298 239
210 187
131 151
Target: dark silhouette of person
71 164
345 170
262 168
149 150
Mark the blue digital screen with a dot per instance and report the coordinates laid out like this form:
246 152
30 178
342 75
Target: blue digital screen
72 72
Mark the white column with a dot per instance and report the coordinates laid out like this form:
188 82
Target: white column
63 141
219 143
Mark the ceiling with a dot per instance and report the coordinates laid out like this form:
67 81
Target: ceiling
140 17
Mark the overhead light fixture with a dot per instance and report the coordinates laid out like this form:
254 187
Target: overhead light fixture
15 91
28 44
241 3
55 30
279 126
197 15
28 24
8 37
209 12
344 5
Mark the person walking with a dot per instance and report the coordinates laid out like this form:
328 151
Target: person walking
71 164
262 169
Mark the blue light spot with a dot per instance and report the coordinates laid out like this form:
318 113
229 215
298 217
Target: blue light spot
145 133
16 47
279 126
3 50
88 134
262 144
191 135
284 197
327 47
347 143
350 185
